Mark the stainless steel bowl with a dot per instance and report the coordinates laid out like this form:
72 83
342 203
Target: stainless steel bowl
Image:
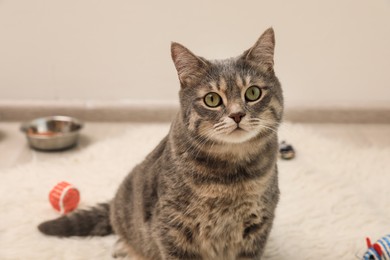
52 133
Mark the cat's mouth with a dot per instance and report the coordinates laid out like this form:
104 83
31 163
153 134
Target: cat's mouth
235 133
237 130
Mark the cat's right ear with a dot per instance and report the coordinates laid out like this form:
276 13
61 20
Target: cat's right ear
190 68
262 53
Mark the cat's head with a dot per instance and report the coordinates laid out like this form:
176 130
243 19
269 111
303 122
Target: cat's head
232 100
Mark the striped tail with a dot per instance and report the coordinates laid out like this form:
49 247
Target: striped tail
91 222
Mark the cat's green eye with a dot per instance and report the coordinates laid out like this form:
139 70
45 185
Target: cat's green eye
212 99
253 93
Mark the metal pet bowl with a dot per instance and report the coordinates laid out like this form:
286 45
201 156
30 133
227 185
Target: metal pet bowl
52 133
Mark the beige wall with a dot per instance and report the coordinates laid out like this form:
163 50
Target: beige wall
329 53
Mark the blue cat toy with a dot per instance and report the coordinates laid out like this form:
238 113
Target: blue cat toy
378 251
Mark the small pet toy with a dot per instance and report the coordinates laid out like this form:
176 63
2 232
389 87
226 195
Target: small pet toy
286 151
64 197
378 251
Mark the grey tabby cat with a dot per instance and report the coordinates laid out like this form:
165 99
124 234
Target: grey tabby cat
210 188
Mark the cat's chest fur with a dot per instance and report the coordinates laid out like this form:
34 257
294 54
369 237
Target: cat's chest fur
222 203
228 218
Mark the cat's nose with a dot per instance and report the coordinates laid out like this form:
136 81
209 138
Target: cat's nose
237 116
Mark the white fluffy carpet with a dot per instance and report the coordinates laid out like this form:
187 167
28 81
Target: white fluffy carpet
333 196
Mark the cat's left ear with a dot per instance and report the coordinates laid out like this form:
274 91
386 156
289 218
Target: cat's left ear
262 53
190 68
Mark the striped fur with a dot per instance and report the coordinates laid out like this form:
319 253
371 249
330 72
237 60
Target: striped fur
209 189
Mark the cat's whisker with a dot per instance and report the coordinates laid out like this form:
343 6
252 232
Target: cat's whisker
222 130
257 125
279 124
265 120
219 124
225 127
269 128
220 127
268 123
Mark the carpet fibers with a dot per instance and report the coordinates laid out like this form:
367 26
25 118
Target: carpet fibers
333 195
